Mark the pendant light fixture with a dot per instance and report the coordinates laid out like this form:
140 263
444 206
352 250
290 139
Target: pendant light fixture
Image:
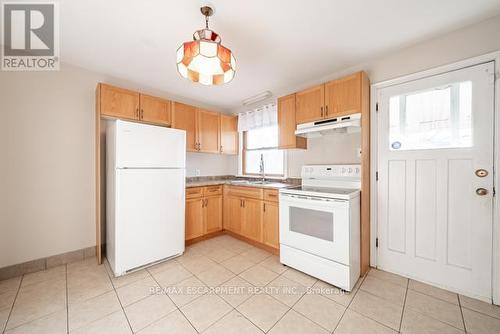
205 59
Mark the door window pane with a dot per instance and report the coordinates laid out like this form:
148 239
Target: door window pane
436 118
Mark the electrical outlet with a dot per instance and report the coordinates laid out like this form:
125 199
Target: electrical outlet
197 172
359 152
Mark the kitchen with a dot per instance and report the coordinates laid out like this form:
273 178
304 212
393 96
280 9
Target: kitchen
266 170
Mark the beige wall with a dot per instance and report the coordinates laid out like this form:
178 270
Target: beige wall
47 121
332 149
205 164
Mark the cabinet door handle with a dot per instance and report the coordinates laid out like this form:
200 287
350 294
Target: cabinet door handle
327 110
137 113
244 203
206 202
142 113
264 207
221 149
202 203
321 111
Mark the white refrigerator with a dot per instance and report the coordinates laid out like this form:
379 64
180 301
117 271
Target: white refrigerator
145 194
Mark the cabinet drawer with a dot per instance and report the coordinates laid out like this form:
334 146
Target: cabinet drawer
248 192
194 192
271 195
212 190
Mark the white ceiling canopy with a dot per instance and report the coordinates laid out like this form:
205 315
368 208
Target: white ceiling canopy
277 43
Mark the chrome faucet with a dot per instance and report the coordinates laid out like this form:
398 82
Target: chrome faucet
262 174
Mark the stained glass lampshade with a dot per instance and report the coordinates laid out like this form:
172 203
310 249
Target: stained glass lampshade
205 59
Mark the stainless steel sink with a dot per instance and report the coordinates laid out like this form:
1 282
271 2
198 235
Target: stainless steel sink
261 182
240 182
272 184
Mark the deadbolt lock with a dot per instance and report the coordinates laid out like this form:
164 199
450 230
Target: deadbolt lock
481 173
481 191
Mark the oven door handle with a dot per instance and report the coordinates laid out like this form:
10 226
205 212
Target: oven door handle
301 197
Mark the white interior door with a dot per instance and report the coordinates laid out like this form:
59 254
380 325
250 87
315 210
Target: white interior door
435 189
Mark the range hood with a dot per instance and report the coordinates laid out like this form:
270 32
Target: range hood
341 124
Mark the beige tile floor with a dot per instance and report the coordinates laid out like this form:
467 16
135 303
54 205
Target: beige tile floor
223 285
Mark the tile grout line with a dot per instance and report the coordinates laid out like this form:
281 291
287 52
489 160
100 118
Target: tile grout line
373 319
67 304
232 307
349 304
116 294
13 303
296 302
361 314
461 313
431 316
291 307
176 307
235 275
279 275
404 305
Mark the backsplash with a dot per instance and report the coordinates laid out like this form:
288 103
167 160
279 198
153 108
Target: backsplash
333 149
205 164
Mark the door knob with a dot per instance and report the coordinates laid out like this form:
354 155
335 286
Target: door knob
481 191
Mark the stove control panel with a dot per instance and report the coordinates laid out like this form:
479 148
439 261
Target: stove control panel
331 171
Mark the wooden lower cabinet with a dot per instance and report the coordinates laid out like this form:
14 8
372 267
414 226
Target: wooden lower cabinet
251 222
213 214
203 213
253 214
232 214
270 225
249 212
194 218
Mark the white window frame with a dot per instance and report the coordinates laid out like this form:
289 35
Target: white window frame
241 153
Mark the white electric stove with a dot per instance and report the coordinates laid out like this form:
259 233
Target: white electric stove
319 224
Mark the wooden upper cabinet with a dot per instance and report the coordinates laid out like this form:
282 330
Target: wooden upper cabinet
184 118
228 134
213 214
155 110
118 102
309 104
335 98
207 125
270 225
343 96
287 124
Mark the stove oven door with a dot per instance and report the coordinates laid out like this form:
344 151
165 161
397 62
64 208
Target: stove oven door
316 225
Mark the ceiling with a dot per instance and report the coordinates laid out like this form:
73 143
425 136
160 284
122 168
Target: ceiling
276 43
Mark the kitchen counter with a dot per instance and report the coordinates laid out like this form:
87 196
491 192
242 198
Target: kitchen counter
240 183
